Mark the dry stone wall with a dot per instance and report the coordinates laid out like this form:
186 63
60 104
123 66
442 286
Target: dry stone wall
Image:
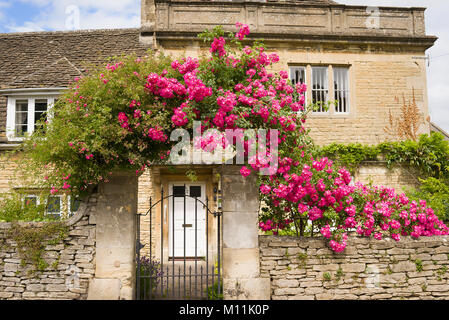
306 269
71 263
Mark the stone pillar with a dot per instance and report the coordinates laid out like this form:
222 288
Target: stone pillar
115 272
241 265
148 15
148 24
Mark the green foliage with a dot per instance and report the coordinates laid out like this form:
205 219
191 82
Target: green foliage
16 207
349 156
441 272
286 254
327 276
213 293
339 274
303 257
192 175
436 194
389 271
418 264
429 155
31 241
150 273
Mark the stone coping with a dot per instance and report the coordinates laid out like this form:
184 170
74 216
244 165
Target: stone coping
297 3
354 238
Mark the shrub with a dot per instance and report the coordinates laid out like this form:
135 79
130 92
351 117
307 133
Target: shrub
214 293
436 194
16 207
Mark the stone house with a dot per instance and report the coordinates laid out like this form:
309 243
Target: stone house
362 57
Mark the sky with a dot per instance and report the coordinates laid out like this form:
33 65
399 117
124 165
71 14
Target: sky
50 15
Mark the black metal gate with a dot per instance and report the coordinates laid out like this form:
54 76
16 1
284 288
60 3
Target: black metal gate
173 274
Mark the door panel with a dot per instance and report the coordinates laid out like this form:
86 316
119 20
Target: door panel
185 220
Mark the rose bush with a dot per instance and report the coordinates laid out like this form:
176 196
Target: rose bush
122 116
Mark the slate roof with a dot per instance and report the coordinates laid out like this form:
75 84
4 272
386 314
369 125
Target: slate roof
52 59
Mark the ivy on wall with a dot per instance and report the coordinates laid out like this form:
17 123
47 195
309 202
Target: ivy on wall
429 154
31 242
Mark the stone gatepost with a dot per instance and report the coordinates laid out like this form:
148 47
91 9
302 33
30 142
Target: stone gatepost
115 217
241 265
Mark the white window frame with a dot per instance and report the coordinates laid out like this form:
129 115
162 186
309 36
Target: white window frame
346 89
11 112
331 92
38 200
65 203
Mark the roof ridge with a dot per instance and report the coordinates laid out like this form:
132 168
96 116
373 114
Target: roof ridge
62 32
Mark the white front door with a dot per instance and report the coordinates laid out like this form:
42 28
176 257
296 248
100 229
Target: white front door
189 224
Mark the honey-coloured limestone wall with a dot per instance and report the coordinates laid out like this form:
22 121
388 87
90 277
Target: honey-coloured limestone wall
307 269
401 178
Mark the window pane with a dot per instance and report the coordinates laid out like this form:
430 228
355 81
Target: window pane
41 105
30 201
21 105
54 205
39 108
298 75
74 205
179 191
195 191
21 117
319 86
341 86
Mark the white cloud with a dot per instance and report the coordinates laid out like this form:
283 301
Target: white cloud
26 27
3 6
99 14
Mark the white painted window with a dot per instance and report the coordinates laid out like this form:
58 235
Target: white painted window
341 89
320 87
325 83
57 206
24 113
